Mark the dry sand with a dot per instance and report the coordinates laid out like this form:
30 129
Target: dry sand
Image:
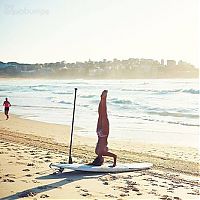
28 147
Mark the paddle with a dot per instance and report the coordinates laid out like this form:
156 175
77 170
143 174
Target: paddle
72 129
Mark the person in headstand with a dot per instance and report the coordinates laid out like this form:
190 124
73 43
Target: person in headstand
6 105
102 133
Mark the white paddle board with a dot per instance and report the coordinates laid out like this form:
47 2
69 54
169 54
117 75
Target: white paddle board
104 168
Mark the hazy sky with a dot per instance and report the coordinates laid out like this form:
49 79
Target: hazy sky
76 30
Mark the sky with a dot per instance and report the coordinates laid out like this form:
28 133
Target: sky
78 30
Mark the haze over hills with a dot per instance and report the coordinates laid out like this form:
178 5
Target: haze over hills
115 69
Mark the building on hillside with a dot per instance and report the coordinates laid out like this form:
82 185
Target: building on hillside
171 63
162 62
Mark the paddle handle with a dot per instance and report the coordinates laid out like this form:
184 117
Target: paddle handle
72 129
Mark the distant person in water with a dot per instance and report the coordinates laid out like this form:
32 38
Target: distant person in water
102 133
6 105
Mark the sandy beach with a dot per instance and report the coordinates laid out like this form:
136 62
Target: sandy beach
28 147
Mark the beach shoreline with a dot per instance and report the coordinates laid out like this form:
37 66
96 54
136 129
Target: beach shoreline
60 135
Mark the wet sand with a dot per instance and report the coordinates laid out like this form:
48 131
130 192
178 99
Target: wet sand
28 147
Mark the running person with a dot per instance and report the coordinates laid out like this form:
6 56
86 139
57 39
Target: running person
6 105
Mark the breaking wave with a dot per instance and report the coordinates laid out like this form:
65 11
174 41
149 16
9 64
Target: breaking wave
174 114
88 96
64 102
191 91
120 101
62 92
158 120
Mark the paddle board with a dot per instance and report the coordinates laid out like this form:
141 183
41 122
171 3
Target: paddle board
104 168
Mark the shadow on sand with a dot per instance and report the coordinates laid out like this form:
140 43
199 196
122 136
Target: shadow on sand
67 177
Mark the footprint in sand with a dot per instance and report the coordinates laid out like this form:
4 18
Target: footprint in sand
162 186
131 183
123 195
135 189
24 181
36 157
166 197
110 196
177 198
10 175
35 181
33 152
128 177
44 196
85 194
30 164
154 184
40 173
170 190
26 170
48 157
164 182
8 180
153 191
28 175
48 153
84 190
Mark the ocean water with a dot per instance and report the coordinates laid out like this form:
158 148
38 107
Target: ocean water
149 111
